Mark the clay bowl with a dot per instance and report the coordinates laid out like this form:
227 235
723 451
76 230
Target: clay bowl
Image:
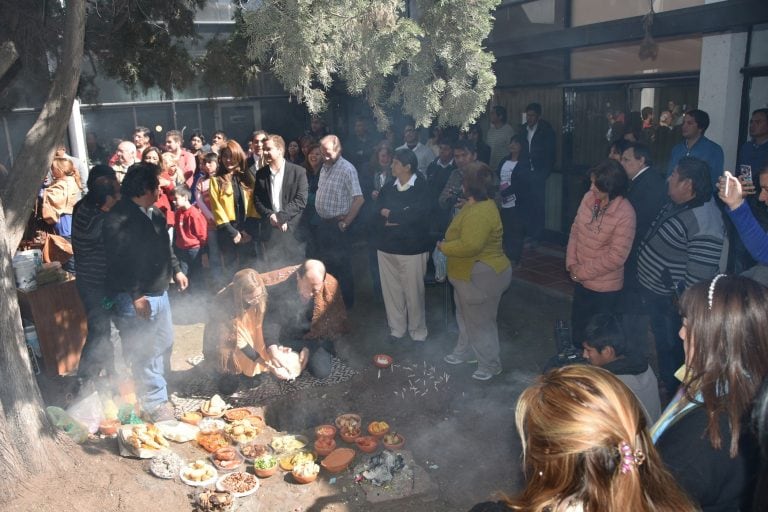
265 472
382 361
394 444
324 446
349 436
367 444
338 460
303 479
341 419
377 433
238 413
109 427
327 431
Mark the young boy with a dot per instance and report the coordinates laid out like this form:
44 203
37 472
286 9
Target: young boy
191 232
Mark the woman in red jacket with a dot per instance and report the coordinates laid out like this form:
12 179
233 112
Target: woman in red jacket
600 241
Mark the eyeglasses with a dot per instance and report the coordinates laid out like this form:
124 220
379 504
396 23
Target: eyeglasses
261 141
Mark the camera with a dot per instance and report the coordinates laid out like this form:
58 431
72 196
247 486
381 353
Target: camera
566 352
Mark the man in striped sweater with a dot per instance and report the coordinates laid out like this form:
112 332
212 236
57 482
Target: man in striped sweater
683 246
91 269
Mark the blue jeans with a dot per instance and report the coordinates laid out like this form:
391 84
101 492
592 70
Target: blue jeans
145 343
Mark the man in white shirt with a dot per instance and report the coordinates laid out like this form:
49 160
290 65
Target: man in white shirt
499 135
279 197
423 153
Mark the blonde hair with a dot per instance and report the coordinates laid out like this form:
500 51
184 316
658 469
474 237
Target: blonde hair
572 422
62 167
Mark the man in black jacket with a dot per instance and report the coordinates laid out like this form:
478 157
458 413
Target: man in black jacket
647 194
140 264
279 196
541 155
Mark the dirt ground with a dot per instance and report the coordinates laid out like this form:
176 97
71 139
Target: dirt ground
460 436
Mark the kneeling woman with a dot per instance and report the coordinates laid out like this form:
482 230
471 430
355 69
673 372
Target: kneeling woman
234 336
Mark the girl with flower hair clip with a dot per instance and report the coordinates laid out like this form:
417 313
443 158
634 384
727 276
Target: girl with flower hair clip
703 436
586 448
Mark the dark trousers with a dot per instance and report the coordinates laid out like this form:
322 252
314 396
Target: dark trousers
320 352
514 232
189 260
234 256
665 325
98 352
534 205
586 304
334 250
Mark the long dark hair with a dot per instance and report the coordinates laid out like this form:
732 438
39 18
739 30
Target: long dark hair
726 323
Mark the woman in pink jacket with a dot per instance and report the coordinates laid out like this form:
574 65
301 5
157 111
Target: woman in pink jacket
600 240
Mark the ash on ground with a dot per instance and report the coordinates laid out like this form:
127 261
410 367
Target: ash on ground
388 475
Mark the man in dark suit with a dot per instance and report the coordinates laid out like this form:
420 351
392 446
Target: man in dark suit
541 155
647 194
279 196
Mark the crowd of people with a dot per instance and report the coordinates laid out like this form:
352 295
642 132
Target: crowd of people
647 249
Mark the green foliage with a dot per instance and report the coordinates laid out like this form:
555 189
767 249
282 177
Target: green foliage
141 42
434 67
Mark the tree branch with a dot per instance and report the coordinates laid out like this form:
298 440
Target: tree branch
19 190
8 55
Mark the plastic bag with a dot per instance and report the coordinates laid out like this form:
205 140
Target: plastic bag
88 411
65 422
440 261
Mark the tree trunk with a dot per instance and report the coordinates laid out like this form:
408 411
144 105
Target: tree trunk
27 440
31 165
8 56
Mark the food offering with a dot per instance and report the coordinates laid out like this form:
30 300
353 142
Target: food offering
211 500
382 361
212 441
378 428
288 443
328 431
177 431
144 440
240 484
242 431
393 441
324 446
198 473
239 413
305 472
367 444
227 459
265 466
349 427
214 407
287 461
166 465
211 425
252 451
193 418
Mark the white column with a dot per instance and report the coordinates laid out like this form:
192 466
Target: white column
76 133
720 83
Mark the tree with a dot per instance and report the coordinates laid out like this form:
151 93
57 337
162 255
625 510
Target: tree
30 36
26 437
433 65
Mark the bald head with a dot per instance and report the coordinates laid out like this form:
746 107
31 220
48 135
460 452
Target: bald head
311 278
330 146
126 153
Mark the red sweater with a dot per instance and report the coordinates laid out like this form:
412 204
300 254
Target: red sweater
191 228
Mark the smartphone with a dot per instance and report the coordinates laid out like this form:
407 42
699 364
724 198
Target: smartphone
745 174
